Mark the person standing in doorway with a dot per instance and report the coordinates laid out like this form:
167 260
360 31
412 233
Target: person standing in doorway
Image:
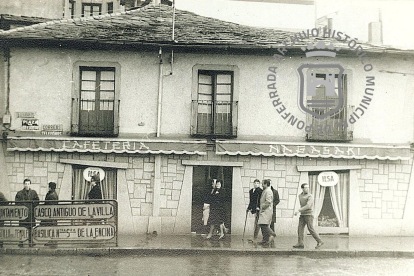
254 205
30 196
95 192
217 214
306 217
265 214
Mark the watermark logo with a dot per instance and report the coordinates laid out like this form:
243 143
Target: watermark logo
323 83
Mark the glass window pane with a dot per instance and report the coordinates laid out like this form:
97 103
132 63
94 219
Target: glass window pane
107 75
107 95
205 89
88 105
224 89
107 85
204 108
223 98
87 95
88 85
89 75
221 78
206 79
106 105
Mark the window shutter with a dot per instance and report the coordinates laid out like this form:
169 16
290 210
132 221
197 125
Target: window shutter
116 117
234 117
194 109
75 116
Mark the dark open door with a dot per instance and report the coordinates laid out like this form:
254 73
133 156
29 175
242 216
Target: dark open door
202 176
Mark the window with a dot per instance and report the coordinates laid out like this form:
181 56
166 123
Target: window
81 188
110 7
89 9
331 204
95 101
214 105
333 128
72 8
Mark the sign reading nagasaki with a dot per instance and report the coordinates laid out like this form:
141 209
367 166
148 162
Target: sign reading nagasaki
68 232
328 179
8 233
72 211
14 212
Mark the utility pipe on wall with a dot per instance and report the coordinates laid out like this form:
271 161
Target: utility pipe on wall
160 80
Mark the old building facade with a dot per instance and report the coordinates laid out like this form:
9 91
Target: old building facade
164 110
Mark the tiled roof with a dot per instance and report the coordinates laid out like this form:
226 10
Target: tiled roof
152 25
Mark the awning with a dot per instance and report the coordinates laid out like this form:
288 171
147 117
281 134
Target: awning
153 146
325 150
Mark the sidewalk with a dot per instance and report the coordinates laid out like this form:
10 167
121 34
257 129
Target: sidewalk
335 246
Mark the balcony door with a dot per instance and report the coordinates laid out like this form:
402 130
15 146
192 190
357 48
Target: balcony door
214 104
97 95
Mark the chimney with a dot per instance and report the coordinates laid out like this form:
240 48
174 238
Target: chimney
375 33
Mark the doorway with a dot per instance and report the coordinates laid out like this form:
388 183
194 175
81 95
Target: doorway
202 176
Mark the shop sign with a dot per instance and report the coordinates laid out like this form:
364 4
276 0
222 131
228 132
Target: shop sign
77 233
88 173
328 179
14 212
13 234
52 130
30 124
25 114
71 211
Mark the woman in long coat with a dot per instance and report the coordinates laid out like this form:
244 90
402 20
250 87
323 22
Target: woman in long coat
217 212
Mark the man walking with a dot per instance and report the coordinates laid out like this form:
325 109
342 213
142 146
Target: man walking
265 213
32 198
306 217
254 204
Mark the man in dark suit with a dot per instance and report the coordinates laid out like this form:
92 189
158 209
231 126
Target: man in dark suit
32 199
254 204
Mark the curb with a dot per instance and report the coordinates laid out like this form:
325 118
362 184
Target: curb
124 251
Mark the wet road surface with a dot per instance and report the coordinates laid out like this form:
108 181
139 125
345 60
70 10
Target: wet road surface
201 265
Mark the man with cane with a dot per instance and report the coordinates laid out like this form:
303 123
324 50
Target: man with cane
254 205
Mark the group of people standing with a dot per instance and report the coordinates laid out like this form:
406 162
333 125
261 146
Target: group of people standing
29 197
262 204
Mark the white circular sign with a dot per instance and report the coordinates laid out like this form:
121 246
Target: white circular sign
328 179
91 171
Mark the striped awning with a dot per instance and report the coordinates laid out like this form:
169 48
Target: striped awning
315 150
93 145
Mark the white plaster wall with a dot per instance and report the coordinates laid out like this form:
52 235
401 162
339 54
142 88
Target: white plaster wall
41 82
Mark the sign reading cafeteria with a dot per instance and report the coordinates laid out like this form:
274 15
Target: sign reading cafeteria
328 179
69 232
91 171
73 211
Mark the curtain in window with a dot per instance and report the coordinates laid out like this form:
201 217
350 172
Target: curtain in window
339 199
81 187
338 194
318 192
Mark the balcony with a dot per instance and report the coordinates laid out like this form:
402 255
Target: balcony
214 118
335 129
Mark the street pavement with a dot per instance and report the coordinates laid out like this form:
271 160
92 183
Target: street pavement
334 246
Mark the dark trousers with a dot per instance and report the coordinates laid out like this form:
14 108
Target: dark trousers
267 232
256 226
308 221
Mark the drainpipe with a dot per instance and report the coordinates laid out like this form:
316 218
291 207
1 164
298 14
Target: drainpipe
160 77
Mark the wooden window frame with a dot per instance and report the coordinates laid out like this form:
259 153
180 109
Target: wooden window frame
75 103
215 69
91 5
